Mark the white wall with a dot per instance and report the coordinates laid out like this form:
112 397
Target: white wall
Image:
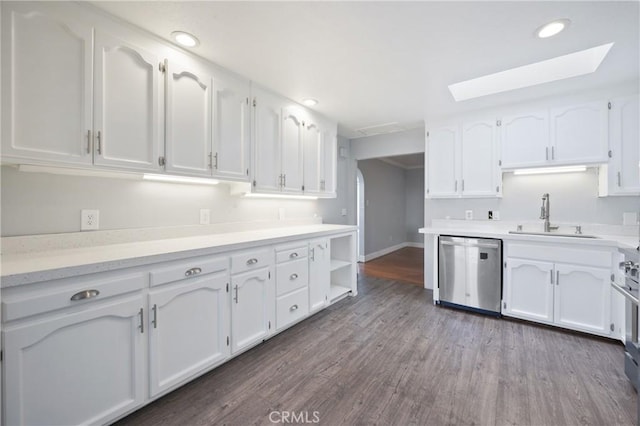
574 199
40 203
387 145
414 202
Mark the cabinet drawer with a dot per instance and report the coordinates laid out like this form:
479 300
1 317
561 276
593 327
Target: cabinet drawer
292 307
249 260
69 293
291 275
182 269
287 253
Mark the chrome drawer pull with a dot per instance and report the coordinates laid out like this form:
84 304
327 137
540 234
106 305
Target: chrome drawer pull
293 277
86 294
293 255
293 308
252 261
192 271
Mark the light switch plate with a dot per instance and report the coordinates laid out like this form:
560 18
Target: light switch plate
496 215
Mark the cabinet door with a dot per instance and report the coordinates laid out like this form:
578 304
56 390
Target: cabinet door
46 86
231 129
329 168
525 139
579 134
292 128
188 120
441 162
583 298
188 329
266 137
624 140
480 168
86 367
319 274
126 105
529 290
251 313
312 157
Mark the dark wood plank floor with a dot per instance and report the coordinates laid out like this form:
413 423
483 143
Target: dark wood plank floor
389 356
404 265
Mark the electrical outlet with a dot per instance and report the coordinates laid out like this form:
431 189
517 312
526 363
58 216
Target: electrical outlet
89 220
344 212
281 213
205 216
468 214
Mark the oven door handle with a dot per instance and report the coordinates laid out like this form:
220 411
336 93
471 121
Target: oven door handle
625 293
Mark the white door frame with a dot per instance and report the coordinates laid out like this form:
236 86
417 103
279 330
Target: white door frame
360 214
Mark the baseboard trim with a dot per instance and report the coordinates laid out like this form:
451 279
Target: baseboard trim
384 251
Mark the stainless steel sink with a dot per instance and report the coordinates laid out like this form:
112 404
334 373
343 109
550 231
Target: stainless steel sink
553 234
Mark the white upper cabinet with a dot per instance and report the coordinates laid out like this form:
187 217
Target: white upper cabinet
188 119
462 161
312 156
525 139
126 105
291 154
574 134
624 140
231 129
480 169
47 65
442 180
579 133
266 137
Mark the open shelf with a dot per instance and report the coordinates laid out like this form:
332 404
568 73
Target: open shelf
337 292
337 264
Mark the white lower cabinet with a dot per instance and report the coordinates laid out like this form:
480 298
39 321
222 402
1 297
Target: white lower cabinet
319 274
251 308
189 329
84 367
569 295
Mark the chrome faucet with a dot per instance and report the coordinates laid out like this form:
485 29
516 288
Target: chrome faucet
545 213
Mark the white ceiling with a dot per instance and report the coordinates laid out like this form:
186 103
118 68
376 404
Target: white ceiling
380 63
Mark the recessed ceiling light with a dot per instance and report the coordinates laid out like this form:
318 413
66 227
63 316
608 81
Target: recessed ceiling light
310 102
552 28
185 39
558 68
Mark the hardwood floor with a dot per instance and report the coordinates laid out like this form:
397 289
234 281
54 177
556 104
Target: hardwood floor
389 356
405 265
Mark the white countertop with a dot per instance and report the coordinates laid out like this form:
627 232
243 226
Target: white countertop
35 266
616 239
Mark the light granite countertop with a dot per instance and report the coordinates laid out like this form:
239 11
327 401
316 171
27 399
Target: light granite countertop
30 266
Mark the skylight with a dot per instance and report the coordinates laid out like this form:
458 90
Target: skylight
559 68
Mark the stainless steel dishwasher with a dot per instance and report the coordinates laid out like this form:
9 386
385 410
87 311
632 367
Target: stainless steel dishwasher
470 273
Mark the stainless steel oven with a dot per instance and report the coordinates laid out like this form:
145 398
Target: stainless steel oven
629 288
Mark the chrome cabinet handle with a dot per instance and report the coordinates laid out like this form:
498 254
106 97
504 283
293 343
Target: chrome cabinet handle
553 152
155 316
284 180
293 277
456 186
463 185
211 160
85 294
88 141
141 314
293 255
293 308
557 277
313 254
215 164
252 261
551 275
236 296
546 154
99 139
619 180
192 271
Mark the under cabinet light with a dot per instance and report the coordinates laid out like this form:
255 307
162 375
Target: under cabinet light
558 68
180 179
550 170
281 196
